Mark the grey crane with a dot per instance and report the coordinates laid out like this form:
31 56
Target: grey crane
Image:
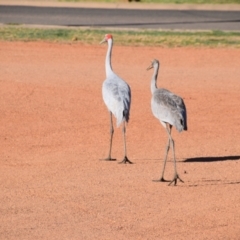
171 111
117 97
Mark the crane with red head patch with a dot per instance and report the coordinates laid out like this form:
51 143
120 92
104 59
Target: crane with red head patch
117 97
107 36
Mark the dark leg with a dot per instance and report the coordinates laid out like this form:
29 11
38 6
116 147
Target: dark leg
176 176
125 159
166 154
165 158
111 137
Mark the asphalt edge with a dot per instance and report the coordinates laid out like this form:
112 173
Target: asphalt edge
121 5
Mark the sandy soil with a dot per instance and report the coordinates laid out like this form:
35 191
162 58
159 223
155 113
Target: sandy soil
55 128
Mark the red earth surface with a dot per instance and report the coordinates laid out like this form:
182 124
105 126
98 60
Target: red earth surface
55 129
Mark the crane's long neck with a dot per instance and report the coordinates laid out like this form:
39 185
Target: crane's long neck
154 78
108 64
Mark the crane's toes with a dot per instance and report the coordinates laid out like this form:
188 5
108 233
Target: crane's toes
125 160
109 159
161 180
176 177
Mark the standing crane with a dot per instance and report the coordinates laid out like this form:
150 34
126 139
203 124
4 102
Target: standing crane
117 97
171 111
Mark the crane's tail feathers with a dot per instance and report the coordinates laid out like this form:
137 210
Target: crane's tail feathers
123 117
126 115
181 123
185 120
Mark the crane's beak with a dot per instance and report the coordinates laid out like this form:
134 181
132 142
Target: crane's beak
103 41
150 67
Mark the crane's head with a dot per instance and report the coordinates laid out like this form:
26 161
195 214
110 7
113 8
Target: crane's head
154 62
107 36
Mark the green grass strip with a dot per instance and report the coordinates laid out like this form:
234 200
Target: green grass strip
123 37
163 1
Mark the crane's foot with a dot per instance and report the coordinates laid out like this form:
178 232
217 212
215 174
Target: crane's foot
161 180
125 160
109 159
176 177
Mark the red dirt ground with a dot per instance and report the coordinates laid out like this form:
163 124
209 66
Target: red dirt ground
55 128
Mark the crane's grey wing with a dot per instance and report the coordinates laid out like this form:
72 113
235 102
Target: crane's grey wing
125 93
117 97
170 108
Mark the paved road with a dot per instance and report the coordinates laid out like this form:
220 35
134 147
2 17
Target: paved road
122 18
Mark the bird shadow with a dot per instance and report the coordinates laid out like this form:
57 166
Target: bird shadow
212 159
204 183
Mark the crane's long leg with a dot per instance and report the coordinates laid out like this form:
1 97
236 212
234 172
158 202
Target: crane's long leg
176 176
166 155
165 158
125 159
111 137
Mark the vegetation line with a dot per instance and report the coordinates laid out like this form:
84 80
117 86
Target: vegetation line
161 38
163 1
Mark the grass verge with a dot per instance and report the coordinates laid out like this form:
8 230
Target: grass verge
163 1
123 37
